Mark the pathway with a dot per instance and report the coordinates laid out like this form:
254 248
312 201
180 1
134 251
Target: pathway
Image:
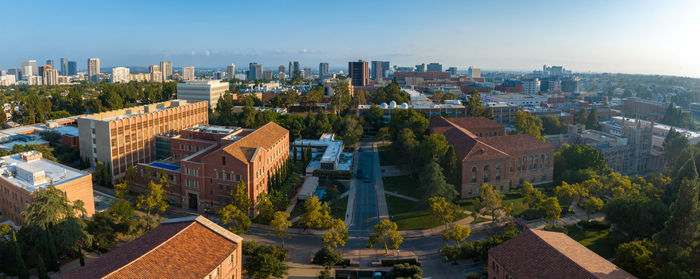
401 196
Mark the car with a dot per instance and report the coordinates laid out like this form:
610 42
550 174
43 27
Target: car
366 178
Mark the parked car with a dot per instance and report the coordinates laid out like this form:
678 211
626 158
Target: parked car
366 178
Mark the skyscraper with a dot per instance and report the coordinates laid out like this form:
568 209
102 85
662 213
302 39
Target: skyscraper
50 75
231 71
359 73
188 73
94 70
64 66
452 71
32 65
323 70
280 69
307 72
254 71
72 68
420 67
379 69
153 68
267 75
434 67
473 72
294 66
166 67
43 68
49 62
120 74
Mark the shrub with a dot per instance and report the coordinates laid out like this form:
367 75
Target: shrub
325 274
555 228
328 256
594 225
406 271
532 214
400 261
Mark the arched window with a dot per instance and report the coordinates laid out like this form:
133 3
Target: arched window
473 174
498 172
486 173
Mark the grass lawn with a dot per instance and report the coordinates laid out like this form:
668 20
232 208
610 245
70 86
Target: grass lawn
404 185
602 242
410 215
298 210
513 198
387 158
338 208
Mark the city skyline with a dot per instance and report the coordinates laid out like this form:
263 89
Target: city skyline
637 37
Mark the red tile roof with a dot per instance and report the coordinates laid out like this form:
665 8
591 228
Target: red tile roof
544 254
266 136
178 248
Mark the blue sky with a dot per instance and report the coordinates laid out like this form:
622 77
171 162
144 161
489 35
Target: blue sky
656 37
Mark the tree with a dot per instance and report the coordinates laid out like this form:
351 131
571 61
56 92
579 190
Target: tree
317 214
456 233
580 117
230 214
375 117
435 183
443 210
576 163
50 207
675 116
386 233
637 258
41 268
491 200
264 261
552 126
531 196
674 145
327 256
552 209
341 98
154 201
265 208
406 271
449 165
682 226
474 106
406 143
432 146
337 234
591 205
22 271
570 193
240 198
280 223
636 214
528 124
120 190
382 134
592 120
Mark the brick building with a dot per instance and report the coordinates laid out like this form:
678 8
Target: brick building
125 137
189 247
487 155
544 254
204 163
644 109
24 173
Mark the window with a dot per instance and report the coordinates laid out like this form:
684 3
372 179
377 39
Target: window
221 187
228 176
223 161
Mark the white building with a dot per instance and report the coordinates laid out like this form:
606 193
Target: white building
531 86
231 71
329 83
35 80
7 80
473 72
202 90
188 73
94 70
50 77
120 74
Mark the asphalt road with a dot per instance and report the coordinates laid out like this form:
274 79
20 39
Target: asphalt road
365 208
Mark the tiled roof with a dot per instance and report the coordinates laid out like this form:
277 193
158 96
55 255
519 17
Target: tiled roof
515 143
544 254
471 123
266 136
178 248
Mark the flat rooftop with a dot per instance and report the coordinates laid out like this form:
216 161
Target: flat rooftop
54 172
138 110
212 129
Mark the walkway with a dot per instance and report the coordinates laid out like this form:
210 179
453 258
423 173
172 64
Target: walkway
401 196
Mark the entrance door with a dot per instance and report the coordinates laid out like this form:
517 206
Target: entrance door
193 201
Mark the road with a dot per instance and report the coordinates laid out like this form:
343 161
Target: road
365 207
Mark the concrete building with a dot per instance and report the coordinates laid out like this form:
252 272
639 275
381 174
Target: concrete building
434 67
515 99
188 73
379 69
294 66
187 247
231 71
571 85
420 68
359 73
452 71
22 174
202 90
49 62
64 67
35 80
121 74
531 86
50 76
643 109
548 255
153 68
33 70
204 163
121 138
166 67
487 155
281 69
254 71
72 68
267 75
328 147
156 76
473 72
323 70
329 83
93 70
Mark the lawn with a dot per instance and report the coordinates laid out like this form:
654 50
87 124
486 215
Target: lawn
410 215
512 198
338 208
602 242
387 158
404 185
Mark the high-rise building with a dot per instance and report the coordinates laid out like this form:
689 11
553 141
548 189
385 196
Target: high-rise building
379 69
473 72
323 70
188 73
50 76
294 66
16 72
307 72
420 67
267 75
202 90
42 68
33 69
359 73
280 69
166 67
231 71
120 74
49 62
122 138
27 72
64 67
452 71
254 71
153 68
531 86
434 67
94 70
72 68
219 75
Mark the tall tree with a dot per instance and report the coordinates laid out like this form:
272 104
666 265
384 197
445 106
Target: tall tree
337 234
341 97
528 124
456 233
552 210
591 205
491 201
443 210
238 221
50 207
22 271
592 120
682 226
386 233
435 183
154 200
280 223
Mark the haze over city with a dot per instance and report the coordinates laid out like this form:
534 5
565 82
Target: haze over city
650 37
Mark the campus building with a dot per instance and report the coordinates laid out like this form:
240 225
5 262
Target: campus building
202 90
204 163
543 254
122 138
188 247
487 155
22 174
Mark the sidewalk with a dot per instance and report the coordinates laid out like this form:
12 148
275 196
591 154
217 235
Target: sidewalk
382 208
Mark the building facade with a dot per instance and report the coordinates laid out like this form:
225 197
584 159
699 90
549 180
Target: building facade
121 74
231 71
254 71
121 138
93 70
294 66
202 90
323 70
166 67
487 155
188 73
379 69
24 173
359 73
434 67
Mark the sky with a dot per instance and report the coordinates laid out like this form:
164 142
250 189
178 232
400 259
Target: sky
627 36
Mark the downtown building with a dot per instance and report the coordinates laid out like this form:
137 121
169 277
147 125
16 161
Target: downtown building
93 70
486 155
188 73
202 90
122 138
379 69
359 73
205 163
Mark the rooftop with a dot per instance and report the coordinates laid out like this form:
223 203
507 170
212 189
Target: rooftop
35 173
138 110
213 129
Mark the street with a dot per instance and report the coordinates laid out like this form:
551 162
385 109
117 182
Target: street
365 207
